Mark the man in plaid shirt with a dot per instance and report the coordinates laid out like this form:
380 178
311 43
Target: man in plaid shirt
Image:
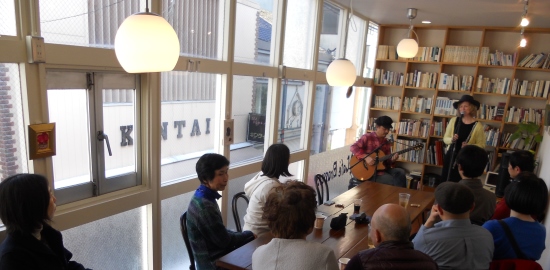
368 143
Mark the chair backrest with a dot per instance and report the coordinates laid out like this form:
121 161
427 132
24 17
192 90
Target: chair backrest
236 210
183 228
321 185
513 264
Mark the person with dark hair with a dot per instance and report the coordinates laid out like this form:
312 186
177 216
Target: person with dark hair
274 167
454 243
27 206
471 162
462 130
208 236
527 196
390 229
290 212
370 142
518 162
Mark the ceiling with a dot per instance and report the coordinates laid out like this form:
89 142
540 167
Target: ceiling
502 13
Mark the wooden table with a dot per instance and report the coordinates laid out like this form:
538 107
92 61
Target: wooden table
346 242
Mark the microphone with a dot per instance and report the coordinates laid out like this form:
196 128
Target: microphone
461 114
391 138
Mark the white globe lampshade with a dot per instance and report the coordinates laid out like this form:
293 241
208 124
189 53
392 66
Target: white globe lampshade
407 48
146 42
341 72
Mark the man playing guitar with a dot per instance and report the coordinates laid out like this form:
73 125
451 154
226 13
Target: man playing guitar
367 144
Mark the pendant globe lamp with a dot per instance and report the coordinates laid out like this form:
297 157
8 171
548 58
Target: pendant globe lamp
146 42
408 47
341 72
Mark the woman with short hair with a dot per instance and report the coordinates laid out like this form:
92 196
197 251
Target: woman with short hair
274 167
290 212
208 236
527 196
27 206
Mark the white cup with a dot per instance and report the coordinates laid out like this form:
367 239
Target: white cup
319 221
343 262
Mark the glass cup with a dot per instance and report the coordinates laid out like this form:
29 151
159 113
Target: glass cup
319 221
357 206
404 199
343 262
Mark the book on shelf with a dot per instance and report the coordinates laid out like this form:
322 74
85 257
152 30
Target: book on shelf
500 111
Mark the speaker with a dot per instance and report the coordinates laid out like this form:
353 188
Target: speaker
503 175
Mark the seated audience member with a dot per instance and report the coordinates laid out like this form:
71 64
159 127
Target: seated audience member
390 228
471 162
27 205
274 166
518 162
454 243
290 212
208 236
527 195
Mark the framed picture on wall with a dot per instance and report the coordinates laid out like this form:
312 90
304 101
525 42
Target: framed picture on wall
41 140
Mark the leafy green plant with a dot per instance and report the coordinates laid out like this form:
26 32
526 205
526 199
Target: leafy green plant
527 131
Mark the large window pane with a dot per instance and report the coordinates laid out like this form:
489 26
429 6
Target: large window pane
115 242
298 50
7 13
254 30
91 23
291 113
370 53
174 252
331 35
187 121
68 108
198 24
249 113
356 39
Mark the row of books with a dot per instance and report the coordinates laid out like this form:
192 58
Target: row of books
435 153
537 88
414 127
387 52
460 54
415 155
419 79
417 104
520 143
388 77
444 106
491 112
496 59
491 135
534 60
455 82
428 54
494 85
438 127
387 102
521 115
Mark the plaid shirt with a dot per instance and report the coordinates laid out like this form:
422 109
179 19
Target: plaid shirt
367 143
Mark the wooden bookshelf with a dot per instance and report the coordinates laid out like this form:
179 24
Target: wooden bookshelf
475 45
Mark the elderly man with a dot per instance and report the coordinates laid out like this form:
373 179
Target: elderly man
390 230
454 243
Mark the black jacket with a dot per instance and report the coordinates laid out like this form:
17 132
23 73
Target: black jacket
391 255
24 251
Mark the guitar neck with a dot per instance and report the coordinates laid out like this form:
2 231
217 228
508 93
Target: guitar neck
386 157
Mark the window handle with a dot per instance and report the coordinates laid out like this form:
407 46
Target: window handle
102 136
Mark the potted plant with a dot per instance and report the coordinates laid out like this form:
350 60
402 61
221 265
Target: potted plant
527 131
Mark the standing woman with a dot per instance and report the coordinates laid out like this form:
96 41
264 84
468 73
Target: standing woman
461 131
274 167
26 207
208 236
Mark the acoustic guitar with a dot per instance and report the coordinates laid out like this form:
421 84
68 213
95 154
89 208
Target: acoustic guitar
363 171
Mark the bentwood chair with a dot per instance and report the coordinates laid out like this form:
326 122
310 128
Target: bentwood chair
183 228
321 185
236 216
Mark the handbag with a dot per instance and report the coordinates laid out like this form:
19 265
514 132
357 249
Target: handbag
512 240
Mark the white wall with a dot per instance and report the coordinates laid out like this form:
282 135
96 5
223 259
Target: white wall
544 173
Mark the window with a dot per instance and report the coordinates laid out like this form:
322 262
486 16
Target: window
298 49
331 35
174 251
96 118
291 124
370 53
356 39
188 120
198 24
254 30
7 13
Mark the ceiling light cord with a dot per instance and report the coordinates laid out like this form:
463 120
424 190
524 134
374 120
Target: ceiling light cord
523 23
